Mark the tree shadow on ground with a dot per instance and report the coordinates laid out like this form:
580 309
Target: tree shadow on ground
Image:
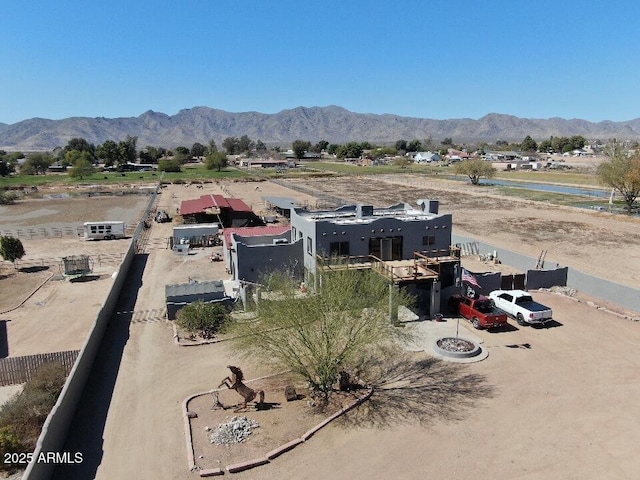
38 268
84 278
411 390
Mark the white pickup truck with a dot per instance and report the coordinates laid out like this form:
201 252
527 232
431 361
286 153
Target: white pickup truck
521 306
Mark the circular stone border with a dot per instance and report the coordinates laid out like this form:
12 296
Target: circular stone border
469 354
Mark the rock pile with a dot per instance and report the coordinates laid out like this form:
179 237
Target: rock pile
234 431
567 291
455 344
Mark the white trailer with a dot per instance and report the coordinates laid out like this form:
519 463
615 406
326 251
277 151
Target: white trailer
104 230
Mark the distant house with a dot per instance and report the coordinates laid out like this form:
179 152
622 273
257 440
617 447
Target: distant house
426 157
57 167
263 163
454 155
506 156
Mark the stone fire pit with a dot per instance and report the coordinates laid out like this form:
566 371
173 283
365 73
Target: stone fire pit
456 347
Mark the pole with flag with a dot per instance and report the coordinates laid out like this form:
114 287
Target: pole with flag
469 278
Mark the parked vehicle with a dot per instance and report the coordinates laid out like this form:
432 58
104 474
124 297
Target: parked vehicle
162 216
104 230
521 306
481 312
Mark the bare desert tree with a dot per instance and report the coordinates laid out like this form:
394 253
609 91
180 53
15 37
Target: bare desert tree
475 169
622 173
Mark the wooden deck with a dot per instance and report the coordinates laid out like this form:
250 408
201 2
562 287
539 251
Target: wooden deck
421 268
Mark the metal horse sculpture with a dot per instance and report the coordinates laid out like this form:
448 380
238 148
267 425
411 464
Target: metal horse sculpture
234 382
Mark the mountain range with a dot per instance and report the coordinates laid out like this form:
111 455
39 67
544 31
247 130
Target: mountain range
333 124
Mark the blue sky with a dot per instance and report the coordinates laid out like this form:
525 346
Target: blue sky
431 58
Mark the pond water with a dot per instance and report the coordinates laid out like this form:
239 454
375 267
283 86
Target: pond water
594 193
549 187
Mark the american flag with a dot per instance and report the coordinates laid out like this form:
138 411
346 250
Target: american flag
469 278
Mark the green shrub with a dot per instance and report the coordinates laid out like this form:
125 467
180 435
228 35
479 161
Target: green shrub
22 417
8 198
11 249
206 319
10 443
169 165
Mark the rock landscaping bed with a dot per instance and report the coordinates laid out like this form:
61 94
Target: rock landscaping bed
222 437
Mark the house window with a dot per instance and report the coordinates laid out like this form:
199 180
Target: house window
428 240
309 246
386 248
341 249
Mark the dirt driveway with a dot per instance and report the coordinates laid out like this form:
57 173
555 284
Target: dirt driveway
563 406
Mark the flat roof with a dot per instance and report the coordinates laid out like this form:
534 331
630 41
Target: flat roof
193 226
254 232
348 214
284 203
194 288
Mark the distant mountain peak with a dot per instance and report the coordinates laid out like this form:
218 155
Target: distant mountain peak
332 123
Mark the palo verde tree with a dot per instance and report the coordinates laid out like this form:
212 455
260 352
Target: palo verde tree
11 249
475 169
622 173
318 335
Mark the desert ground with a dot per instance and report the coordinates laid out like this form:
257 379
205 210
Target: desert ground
60 313
547 403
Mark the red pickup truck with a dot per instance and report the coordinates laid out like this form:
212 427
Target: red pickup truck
480 311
